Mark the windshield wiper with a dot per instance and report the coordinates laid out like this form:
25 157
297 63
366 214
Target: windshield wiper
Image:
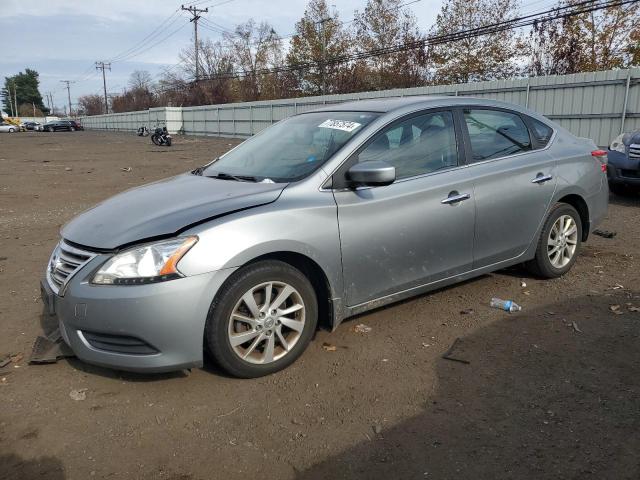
237 178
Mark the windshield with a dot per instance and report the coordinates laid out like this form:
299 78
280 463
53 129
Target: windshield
291 149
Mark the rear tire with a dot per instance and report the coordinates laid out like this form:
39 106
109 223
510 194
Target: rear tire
559 243
154 139
277 328
72 129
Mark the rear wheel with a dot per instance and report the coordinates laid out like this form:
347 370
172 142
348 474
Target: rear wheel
262 319
72 129
155 139
559 242
11 130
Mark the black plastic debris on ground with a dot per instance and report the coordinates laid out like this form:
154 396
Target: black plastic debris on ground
605 233
50 349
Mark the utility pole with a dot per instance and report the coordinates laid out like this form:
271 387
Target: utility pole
10 98
195 17
15 99
52 105
102 66
323 71
68 82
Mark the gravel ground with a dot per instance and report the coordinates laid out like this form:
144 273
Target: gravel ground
550 392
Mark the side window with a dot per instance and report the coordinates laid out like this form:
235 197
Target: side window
495 134
417 145
541 131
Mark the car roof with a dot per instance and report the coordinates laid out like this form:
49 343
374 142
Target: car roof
386 105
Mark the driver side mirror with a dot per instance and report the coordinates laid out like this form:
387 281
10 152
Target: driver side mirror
372 173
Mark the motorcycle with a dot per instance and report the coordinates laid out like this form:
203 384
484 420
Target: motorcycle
161 137
143 131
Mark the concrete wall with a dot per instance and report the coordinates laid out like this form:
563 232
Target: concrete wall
596 105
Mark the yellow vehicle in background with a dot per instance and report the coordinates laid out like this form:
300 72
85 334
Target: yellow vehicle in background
15 121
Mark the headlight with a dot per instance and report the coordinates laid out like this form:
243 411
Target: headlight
617 144
150 263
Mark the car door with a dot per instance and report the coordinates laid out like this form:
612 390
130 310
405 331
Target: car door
417 230
514 181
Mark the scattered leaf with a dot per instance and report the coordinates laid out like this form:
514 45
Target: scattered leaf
328 347
362 328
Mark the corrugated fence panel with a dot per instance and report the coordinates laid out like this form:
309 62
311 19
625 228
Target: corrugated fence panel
587 104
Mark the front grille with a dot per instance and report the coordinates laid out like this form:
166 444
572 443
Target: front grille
634 151
118 344
65 261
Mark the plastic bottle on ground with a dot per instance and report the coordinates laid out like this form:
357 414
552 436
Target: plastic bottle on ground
506 305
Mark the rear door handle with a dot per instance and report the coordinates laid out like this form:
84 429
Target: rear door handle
540 178
455 197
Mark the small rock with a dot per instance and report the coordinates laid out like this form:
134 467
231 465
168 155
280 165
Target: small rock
328 347
68 169
377 429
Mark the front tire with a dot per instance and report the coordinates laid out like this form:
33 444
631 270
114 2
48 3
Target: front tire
72 129
559 243
168 142
262 319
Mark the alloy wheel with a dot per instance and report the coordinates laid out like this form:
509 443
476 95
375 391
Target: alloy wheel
267 322
562 241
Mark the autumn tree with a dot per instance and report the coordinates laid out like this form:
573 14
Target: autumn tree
383 24
319 40
91 105
474 58
22 89
634 47
591 41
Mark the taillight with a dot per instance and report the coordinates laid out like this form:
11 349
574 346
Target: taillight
602 156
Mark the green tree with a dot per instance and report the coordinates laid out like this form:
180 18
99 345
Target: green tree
24 88
382 24
485 57
320 37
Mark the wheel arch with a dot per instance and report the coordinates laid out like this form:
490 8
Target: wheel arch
327 310
577 202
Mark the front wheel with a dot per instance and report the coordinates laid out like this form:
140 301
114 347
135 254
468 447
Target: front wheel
168 141
559 242
11 130
262 319
72 129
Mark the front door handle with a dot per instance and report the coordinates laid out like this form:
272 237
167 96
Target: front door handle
540 178
455 197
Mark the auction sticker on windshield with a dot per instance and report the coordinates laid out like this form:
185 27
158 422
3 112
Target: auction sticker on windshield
340 125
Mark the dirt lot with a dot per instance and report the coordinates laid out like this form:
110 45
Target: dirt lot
550 392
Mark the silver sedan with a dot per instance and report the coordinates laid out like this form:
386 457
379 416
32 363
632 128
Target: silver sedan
320 217
8 128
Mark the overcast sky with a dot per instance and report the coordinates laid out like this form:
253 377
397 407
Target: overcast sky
62 39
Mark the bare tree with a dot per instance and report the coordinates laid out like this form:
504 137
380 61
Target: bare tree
599 40
91 105
140 80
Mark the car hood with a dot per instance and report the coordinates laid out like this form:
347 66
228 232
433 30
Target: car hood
164 208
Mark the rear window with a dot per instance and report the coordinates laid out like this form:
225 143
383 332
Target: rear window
496 133
541 131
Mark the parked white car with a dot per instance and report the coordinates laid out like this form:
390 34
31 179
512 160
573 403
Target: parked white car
8 128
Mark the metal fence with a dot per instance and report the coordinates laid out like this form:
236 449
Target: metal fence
597 105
